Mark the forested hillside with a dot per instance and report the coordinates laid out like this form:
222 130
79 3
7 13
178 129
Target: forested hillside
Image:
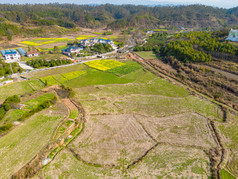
113 16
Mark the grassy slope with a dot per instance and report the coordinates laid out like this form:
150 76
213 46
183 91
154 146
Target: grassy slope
19 88
21 144
147 54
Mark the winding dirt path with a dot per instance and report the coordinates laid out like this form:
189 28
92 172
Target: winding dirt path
36 164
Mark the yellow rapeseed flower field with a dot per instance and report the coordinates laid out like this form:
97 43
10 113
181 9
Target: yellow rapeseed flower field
104 65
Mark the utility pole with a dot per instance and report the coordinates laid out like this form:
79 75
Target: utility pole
11 68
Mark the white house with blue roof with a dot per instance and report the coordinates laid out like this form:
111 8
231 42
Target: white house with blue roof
72 50
11 55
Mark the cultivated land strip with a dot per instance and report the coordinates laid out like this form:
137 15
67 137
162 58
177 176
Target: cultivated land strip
36 164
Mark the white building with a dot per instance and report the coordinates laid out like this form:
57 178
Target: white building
233 35
11 55
85 42
72 50
32 54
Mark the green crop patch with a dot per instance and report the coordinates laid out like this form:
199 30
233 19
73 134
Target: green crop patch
226 175
72 75
73 114
49 80
95 77
125 69
61 78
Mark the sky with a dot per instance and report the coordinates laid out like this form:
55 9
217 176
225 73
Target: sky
216 3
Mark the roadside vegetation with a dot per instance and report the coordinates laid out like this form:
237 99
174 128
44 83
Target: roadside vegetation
45 63
8 69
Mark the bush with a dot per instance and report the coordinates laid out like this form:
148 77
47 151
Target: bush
6 127
12 99
2 113
6 106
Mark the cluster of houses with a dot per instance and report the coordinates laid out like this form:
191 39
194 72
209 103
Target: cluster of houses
83 43
93 41
13 55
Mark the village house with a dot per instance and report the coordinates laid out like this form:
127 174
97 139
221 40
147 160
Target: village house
110 42
233 35
32 54
11 55
94 40
101 41
72 50
85 42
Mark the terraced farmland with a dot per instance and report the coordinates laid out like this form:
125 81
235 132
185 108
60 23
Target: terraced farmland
61 78
135 124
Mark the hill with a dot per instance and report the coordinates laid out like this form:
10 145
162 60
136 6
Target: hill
114 16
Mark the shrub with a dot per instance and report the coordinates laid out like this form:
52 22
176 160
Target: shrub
6 106
6 127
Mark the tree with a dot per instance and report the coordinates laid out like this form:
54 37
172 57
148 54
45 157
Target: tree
6 106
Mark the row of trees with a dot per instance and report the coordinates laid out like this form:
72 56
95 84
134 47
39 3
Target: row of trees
44 63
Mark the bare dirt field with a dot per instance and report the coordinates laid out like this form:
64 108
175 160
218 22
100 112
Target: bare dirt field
188 129
106 136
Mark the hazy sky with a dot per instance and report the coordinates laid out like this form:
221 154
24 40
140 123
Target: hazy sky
217 3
